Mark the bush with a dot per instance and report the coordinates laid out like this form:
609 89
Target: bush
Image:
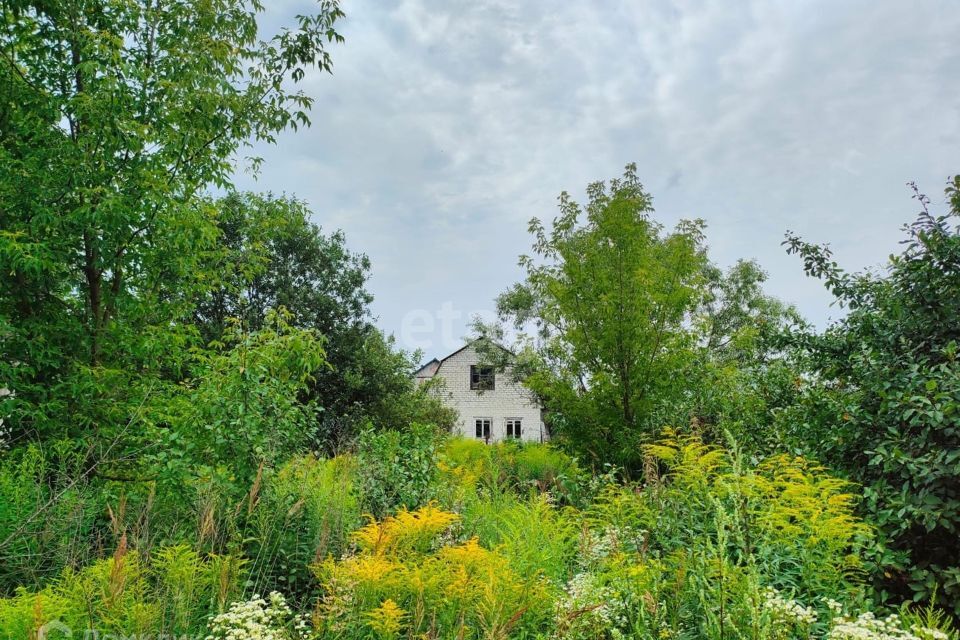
542 467
409 578
397 468
49 514
882 401
692 551
467 465
530 532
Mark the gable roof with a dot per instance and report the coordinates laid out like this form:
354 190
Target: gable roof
465 346
423 369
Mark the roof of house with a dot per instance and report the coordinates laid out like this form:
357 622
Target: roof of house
426 372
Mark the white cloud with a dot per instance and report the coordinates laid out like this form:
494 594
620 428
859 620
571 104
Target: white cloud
448 124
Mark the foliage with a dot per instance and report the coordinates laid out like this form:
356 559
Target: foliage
305 512
709 546
631 324
787 516
242 409
375 387
397 468
736 319
741 378
690 554
267 618
114 118
609 301
173 594
405 580
882 400
534 535
35 547
270 255
467 464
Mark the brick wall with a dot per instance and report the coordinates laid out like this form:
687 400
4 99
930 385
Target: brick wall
507 400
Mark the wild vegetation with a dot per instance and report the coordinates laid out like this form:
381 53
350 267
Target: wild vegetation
205 435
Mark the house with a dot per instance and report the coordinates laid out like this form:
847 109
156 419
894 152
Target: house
491 405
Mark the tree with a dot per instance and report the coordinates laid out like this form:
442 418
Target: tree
241 408
272 256
737 321
882 399
741 377
609 302
114 118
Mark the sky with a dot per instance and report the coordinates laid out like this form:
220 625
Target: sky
447 125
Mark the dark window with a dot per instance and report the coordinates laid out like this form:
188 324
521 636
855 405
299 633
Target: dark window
483 428
481 378
514 430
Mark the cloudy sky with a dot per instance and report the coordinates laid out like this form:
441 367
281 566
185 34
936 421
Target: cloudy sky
448 124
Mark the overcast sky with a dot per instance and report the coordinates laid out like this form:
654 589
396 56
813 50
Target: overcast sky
448 124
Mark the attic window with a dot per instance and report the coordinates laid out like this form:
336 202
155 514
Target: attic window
481 378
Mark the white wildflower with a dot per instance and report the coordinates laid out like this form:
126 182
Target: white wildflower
787 610
868 626
259 619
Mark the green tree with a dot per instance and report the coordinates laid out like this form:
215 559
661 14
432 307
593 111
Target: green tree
114 118
737 320
609 301
241 409
882 399
742 377
271 256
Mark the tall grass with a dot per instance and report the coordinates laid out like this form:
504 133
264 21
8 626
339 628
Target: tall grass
471 541
304 514
51 518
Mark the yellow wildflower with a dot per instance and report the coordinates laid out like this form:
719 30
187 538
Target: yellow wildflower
368 569
387 619
407 529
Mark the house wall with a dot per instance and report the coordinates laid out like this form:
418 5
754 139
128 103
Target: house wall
507 400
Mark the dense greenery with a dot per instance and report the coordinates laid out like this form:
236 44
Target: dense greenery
270 256
490 542
883 400
627 325
197 408
115 117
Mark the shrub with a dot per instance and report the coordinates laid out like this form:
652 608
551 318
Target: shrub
242 407
693 551
468 465
48 514
465 464
542 467
882 400
530 532
409 577
397 468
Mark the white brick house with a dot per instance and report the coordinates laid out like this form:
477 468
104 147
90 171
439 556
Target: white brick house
491 405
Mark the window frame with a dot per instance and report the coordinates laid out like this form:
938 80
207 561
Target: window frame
483 431
481 376
513 428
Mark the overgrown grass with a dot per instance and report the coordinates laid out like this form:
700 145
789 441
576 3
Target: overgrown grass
470 541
